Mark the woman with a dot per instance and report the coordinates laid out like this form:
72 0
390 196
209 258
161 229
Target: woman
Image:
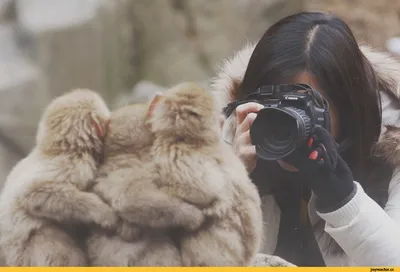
353 216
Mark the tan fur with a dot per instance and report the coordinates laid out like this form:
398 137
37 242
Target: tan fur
387 67
388 145
127 181
44 194
199 168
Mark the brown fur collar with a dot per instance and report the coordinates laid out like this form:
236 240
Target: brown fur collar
227 82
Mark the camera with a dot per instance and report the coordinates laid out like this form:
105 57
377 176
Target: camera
290 114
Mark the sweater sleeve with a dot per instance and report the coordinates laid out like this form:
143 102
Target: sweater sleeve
369 235
393 204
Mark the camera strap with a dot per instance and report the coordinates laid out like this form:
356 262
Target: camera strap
228 110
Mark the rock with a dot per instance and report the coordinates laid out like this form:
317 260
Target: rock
64 40
6 9
120 40
143 91
78 43
7 161
8 158
2 261
270 260
21 98
189 38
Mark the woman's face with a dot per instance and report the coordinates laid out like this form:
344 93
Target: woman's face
306 78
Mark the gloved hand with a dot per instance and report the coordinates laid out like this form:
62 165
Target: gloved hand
325 172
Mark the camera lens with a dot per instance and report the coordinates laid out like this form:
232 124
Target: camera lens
276 132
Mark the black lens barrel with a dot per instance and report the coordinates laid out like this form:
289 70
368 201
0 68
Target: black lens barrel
278 131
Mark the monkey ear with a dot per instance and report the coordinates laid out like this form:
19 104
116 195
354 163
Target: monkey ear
153 103
99 128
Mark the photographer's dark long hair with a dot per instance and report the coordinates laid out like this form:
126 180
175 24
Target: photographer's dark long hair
323 46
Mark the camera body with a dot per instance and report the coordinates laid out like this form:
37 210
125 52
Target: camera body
290 114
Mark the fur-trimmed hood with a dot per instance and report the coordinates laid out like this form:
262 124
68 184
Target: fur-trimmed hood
227 82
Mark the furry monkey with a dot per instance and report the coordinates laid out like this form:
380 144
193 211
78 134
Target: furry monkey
199 168
127 182
44 194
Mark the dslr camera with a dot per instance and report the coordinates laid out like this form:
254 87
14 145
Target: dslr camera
290 114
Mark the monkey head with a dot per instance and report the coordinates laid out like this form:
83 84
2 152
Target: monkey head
74 122
127 131
186 110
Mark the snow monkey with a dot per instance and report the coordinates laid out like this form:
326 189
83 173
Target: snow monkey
45 194
127 182
201 169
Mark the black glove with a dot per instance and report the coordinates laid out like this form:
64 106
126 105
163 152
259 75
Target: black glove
325 172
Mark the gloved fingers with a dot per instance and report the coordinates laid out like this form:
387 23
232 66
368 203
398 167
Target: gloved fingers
325 138
320 151
329 145
313 142
316 149
321 157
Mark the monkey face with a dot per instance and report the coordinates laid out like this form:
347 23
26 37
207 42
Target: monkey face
185 108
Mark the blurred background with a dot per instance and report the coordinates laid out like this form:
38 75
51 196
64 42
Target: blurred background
129 49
